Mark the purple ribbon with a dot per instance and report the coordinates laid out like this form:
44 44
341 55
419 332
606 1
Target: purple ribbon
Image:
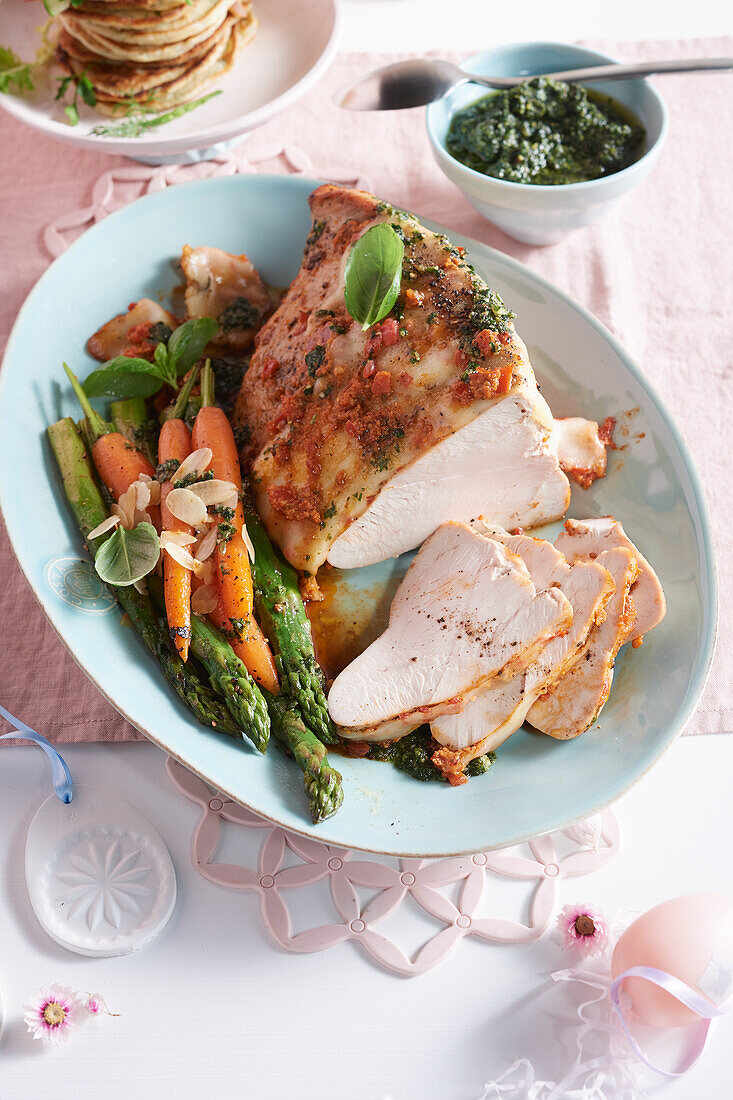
60 774
683 993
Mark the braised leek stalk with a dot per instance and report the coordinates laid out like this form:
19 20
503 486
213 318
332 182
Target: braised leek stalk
89 511
281 614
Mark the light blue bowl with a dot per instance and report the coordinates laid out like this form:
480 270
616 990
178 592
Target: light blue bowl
542 214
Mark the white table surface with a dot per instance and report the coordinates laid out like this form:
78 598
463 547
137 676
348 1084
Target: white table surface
212 1008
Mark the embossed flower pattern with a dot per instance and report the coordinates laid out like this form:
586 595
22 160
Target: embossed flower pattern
104 882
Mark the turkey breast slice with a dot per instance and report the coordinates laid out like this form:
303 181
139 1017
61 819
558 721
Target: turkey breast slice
499 466
466 611
575 700
587 538
499 708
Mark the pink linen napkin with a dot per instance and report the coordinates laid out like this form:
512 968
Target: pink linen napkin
657 271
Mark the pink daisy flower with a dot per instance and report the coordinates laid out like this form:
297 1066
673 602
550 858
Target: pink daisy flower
95 1005
51 1013
583 930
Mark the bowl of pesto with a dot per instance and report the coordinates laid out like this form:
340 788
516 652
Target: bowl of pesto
545 158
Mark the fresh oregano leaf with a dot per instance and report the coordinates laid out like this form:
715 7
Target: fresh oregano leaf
373 274
128 556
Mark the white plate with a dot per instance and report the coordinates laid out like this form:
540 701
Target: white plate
294 45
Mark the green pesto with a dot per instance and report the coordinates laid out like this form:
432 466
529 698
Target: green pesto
228 375
546 132
411 754
239 314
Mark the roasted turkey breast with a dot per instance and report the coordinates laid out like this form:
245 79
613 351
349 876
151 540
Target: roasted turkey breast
363 442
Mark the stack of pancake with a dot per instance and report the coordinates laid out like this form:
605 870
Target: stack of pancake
158 53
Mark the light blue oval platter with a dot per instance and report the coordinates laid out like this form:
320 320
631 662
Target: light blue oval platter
537 784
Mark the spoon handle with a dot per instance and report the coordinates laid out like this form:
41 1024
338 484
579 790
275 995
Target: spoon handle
613 72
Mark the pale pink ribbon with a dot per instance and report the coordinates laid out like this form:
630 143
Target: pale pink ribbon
683 993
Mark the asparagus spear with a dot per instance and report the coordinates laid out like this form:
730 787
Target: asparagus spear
177 409
322 782
89 510
131 419
228 675
281 614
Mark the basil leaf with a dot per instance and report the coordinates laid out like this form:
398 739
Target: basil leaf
160 355
135 382
125 363
186 345
128 556
373 274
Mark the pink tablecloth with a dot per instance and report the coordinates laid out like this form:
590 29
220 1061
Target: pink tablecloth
658 271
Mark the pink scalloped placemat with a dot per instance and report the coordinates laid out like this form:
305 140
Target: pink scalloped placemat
652 270
283 864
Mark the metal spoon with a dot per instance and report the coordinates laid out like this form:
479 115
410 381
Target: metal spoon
416 83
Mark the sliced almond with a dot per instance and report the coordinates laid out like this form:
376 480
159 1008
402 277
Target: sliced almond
140 586
186 506
205 571
103 527
204 599
179 537
154 487
142 494
214 491
125 507
206 546
248 542
179 554
196 463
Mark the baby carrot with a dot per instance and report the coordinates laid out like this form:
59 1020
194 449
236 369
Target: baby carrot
253 649
174 443
235 612
119 463
116 460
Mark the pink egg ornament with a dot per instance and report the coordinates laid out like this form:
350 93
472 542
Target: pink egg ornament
680 937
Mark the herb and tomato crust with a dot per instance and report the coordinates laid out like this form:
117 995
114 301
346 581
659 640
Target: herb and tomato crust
332 412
